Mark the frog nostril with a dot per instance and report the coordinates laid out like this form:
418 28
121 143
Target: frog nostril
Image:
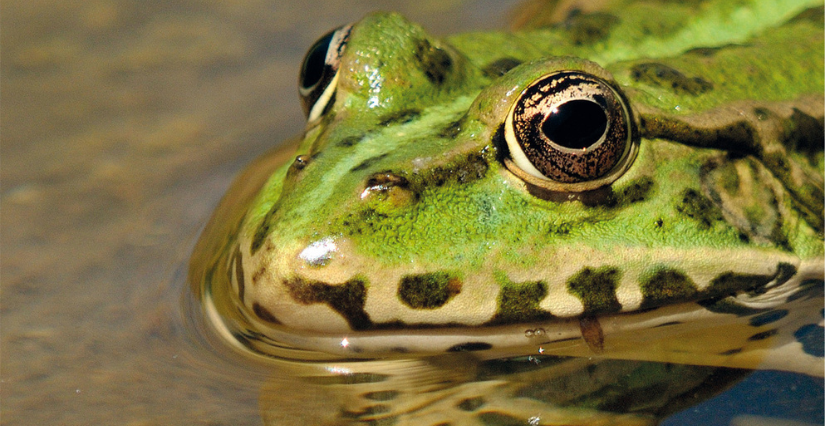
300 162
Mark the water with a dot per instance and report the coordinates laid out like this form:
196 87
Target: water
123 123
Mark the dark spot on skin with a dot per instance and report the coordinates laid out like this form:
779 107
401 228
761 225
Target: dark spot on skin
258 274
638 190
588 28
265 225
463 170
399 117
762 114
813 15
369 162
500 67
519 302
428 291
451 130
347 299
350 141
434 61
599 197
804 133
264 314
812 340
697 207
784 272
668 324
732 351
763 335
708 52
596 288
239 275
363 221
470 404
661 75
768 317
666 286
261 233
470 347
730 283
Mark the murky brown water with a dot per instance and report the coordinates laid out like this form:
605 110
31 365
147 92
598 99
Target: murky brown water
123 122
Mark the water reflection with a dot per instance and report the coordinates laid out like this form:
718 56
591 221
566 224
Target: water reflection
462 389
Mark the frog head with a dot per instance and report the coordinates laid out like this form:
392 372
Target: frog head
441 190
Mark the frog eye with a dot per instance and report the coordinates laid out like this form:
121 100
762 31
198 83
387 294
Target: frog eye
319 72
569 131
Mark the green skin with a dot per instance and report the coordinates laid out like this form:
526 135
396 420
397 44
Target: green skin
724 195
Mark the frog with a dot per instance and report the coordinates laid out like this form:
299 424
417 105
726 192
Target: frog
638 181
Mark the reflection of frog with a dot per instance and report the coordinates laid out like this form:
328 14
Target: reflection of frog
456 389
642 182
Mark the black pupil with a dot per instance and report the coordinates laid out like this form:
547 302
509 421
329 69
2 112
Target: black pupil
576 124
314 62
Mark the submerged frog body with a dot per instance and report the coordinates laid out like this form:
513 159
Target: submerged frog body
641 182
